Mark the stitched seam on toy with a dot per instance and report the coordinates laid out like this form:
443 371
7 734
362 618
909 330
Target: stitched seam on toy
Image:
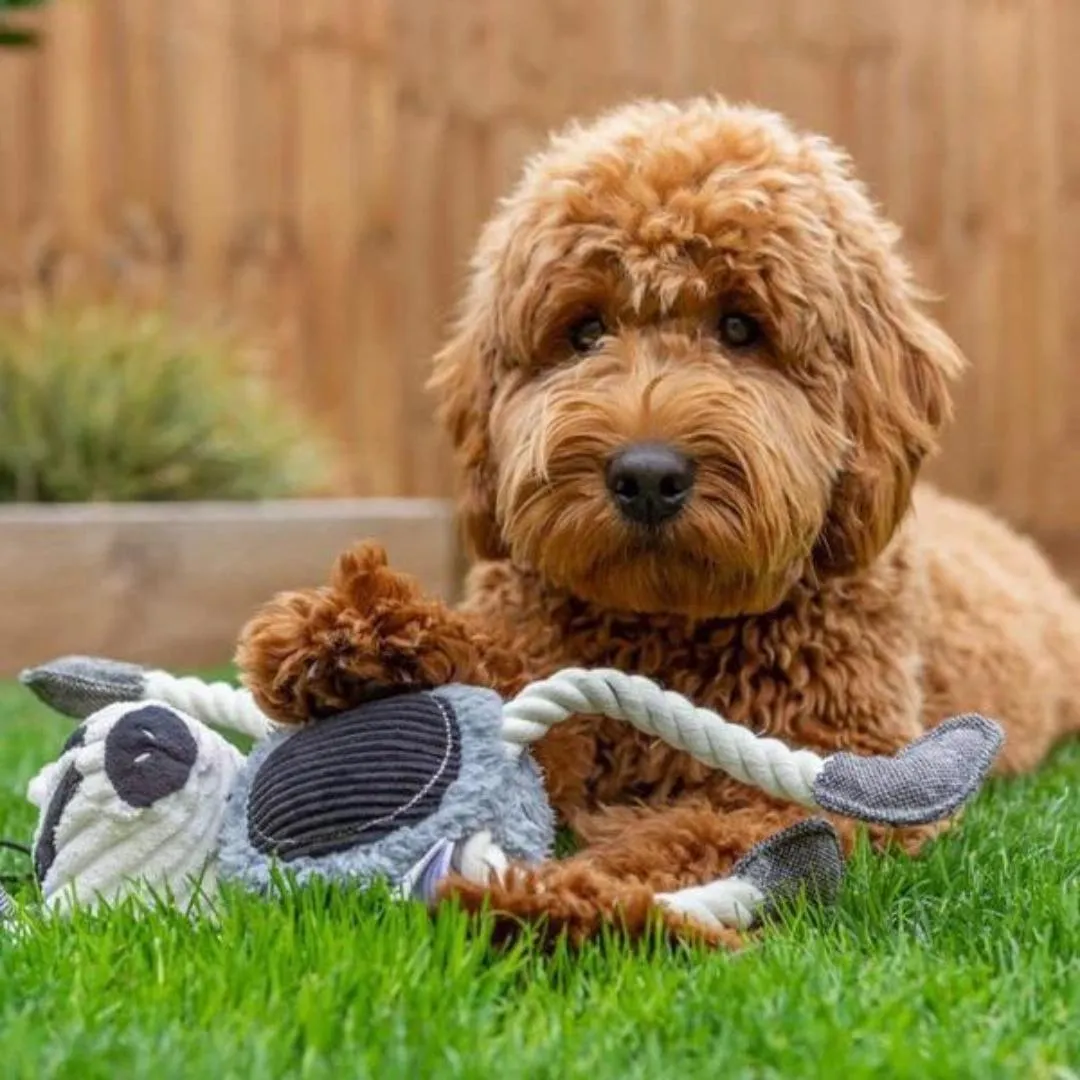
342 834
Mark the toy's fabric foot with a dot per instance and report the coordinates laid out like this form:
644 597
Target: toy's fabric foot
78 686
924 782
803 859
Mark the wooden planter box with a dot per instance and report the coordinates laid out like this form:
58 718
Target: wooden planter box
171 584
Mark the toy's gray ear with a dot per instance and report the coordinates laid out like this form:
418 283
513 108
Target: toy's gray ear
925 782
802 859
77 686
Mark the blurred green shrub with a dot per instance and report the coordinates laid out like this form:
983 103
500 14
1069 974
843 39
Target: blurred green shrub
106 405
16 35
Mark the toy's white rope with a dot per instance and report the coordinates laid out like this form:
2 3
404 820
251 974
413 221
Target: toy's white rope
216 703
731 901
761 762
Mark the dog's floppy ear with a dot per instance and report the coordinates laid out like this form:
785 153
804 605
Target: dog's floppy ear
463 380
896 399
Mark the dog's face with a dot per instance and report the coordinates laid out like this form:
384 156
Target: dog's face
690 368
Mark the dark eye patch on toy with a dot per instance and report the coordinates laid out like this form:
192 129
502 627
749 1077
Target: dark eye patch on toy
355 778
149 753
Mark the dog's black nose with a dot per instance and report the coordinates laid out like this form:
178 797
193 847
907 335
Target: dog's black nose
650 482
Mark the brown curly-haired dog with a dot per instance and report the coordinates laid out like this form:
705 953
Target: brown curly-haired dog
690 391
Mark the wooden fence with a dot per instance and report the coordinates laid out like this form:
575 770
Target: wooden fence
319 170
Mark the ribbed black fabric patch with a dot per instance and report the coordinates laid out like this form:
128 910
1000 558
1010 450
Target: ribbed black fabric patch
45 849
354 778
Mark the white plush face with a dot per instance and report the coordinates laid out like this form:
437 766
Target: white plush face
134 800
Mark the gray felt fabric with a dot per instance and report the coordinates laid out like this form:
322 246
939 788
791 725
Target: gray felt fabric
925 782
78 686
803 858
491 791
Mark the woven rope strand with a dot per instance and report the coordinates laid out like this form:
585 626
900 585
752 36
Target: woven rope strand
216 703
761 762
732 902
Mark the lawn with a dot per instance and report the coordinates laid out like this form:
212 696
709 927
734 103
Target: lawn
964 963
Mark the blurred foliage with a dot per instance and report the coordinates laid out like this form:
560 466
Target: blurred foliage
106 405
16 35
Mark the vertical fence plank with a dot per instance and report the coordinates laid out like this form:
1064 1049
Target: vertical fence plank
79 166
1058 509
326 183
202 123
265 297
957 284
21 169
1054 388
375 403
421 178
142 246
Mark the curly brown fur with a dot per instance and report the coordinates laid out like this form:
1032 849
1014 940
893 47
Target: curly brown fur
310 654
808 588
573 900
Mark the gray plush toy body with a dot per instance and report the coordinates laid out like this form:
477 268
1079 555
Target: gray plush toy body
147 795
389 790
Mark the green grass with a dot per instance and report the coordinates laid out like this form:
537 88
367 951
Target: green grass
964 963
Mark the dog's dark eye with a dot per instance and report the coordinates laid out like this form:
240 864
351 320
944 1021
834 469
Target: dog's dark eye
739 331
586 333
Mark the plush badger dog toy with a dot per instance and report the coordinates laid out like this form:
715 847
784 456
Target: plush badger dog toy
406 788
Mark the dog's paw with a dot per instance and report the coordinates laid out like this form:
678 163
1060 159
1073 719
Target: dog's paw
315 652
